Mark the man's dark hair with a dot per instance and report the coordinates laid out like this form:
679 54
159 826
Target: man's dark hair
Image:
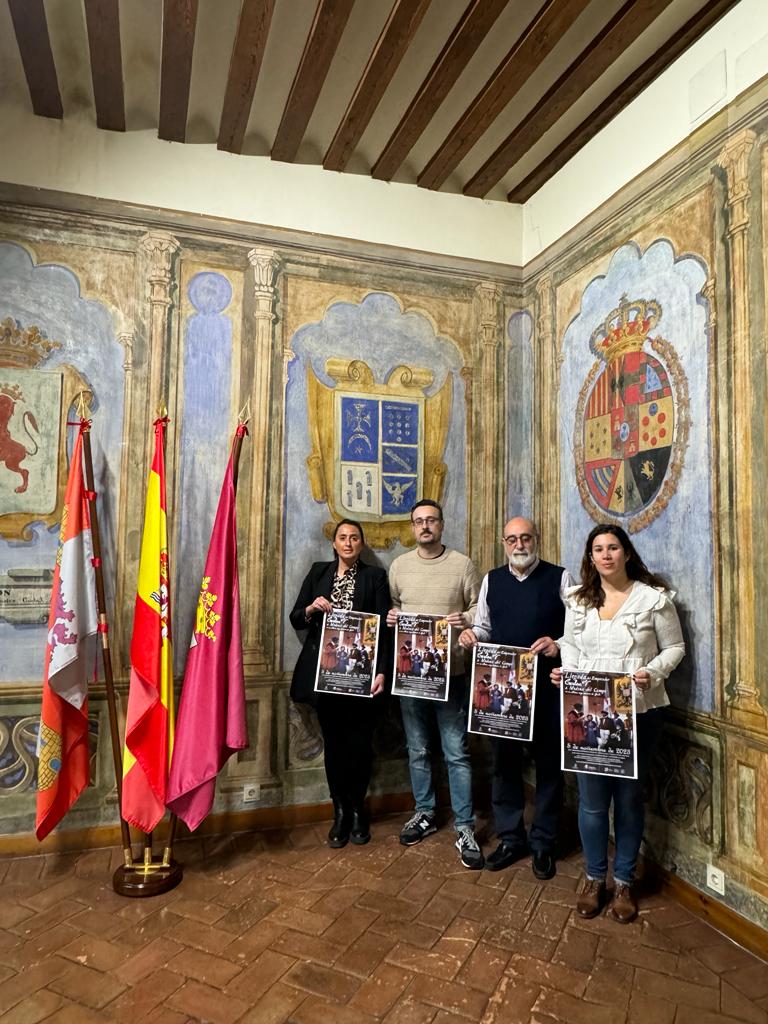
431 503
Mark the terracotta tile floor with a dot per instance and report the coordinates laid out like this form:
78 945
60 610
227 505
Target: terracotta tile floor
274 927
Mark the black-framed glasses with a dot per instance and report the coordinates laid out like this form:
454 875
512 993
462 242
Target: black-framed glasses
524 538
427 521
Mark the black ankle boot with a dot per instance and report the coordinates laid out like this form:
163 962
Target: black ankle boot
338 834
361 832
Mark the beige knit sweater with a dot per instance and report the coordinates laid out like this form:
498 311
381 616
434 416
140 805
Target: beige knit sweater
438 586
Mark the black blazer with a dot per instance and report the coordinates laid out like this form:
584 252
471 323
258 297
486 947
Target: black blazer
371 595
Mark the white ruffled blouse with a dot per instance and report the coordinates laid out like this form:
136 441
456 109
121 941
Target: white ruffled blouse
644 633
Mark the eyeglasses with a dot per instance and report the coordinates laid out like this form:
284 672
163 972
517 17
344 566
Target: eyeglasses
524 538
429 521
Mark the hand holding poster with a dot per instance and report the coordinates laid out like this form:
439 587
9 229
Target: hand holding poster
347 662
598 723
503 691
422 656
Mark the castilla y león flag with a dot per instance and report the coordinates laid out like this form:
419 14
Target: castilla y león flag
211 723
149 720
70 655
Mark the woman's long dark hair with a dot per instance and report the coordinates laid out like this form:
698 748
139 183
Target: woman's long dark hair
591 592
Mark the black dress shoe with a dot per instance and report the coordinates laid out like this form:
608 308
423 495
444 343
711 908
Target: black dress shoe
339 832
543 864
361 832
506 853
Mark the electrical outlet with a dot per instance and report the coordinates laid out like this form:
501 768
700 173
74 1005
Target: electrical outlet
715 879
251 792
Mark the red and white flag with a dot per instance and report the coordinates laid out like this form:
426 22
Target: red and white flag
70 655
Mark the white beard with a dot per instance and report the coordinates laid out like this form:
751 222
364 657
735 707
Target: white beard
522 562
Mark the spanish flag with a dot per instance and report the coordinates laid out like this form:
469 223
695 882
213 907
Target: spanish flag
70 656
149 723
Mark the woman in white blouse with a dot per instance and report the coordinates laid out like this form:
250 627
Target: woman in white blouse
620 619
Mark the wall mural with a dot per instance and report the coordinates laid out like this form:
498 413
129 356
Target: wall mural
632 419
377 446
209 370
519 415
364 365
635 433
53 343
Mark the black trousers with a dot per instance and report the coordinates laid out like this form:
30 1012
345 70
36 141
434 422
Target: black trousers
348 725
507 791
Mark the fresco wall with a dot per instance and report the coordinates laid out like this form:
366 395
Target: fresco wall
145 314
621 377
651 332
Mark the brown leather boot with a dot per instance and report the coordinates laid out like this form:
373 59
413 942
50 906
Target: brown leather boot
623 904
592 898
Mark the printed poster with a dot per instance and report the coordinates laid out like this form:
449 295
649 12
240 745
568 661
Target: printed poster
422 656
503 692
347 662
598 721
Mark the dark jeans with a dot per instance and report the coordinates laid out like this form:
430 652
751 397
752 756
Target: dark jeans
348 724
595 795
508 793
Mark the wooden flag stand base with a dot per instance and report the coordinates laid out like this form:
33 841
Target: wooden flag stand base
150 878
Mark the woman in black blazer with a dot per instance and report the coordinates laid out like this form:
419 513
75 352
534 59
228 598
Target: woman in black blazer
347 722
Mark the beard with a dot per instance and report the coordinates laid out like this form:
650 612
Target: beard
522 560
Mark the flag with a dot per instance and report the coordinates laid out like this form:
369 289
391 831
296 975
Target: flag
149 721
70 656
211 723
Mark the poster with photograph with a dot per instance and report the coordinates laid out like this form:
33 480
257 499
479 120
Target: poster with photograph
503 691
598 723
347 662
422 656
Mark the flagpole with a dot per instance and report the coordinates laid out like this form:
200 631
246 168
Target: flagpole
150 877
101 607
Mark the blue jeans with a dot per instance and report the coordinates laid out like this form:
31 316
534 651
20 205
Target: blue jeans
595 795
419 717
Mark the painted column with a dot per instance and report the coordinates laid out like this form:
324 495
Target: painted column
487 500
724 581
159 248
546 460
260 634
734 159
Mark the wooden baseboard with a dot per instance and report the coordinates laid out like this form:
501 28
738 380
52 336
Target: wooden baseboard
727 921
25 844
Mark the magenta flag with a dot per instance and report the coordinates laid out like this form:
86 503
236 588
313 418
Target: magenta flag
211 722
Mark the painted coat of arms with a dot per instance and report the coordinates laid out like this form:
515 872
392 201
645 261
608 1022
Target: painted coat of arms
632 419
34 403
376 447
380 457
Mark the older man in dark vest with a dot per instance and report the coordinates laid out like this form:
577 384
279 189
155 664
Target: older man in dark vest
521 604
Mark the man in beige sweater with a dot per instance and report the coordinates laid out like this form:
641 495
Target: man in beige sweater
437 580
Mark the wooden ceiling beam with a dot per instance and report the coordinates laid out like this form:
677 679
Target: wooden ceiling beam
629 22
700 23
179 24
395 38
34 42
471 29
323 39
102 19
537 41
244 68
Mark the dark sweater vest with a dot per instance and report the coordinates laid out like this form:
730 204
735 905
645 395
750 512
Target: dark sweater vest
521 612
